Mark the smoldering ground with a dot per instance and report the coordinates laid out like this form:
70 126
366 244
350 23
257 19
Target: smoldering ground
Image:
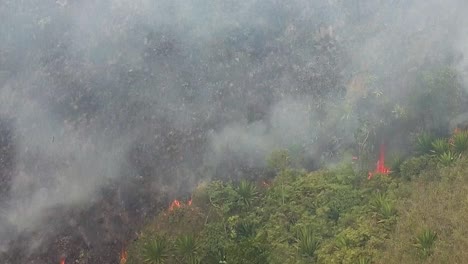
122 104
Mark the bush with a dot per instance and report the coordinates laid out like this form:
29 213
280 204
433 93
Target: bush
383 206
425 241
413 167
156 251
186 247
424 144
307 242
279 160
446 158
460 142
247 191
395 163
440 146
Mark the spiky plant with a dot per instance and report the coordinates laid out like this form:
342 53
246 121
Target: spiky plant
307 242
439 146
424 242
156 251
247 191
245 229
447 158
396 162
424 143
460 142
387 209
186 247
364 260
383 206
377 200
343 242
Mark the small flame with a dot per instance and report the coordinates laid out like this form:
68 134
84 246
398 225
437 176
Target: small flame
62 260
381 168
177 204
174 204
123 256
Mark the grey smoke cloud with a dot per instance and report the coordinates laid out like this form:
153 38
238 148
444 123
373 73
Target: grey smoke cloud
197 82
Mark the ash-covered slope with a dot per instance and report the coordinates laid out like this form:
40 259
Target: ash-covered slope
110 109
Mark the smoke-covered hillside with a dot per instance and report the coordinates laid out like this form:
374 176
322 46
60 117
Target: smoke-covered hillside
109 109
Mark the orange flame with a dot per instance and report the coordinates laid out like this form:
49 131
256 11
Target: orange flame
381 168
177 204
123 256
62 260
174 204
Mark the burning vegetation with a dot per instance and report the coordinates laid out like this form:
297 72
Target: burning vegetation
110 110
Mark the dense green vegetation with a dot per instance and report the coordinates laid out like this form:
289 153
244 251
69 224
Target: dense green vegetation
333 215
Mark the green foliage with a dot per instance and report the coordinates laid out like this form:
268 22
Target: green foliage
327 216
223 197
396 162
460 142
424 143
440 146
436 99
364 260
414 167
424 242
279 160
383 206
307 242
245 230
156 251
186 247
247 192
446 158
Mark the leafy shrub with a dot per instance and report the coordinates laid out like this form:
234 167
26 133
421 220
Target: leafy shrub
279 160
247 191
425 241
440 146
364 260
245 229
307 242
383 206
396 162
186 247
460 142
424 143
446 158
156 251
413 167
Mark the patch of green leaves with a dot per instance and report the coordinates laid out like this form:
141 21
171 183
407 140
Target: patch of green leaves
247 192
440 146
424 143
424 242
460 142
307 242
156 251
186 247
447 158
383 206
